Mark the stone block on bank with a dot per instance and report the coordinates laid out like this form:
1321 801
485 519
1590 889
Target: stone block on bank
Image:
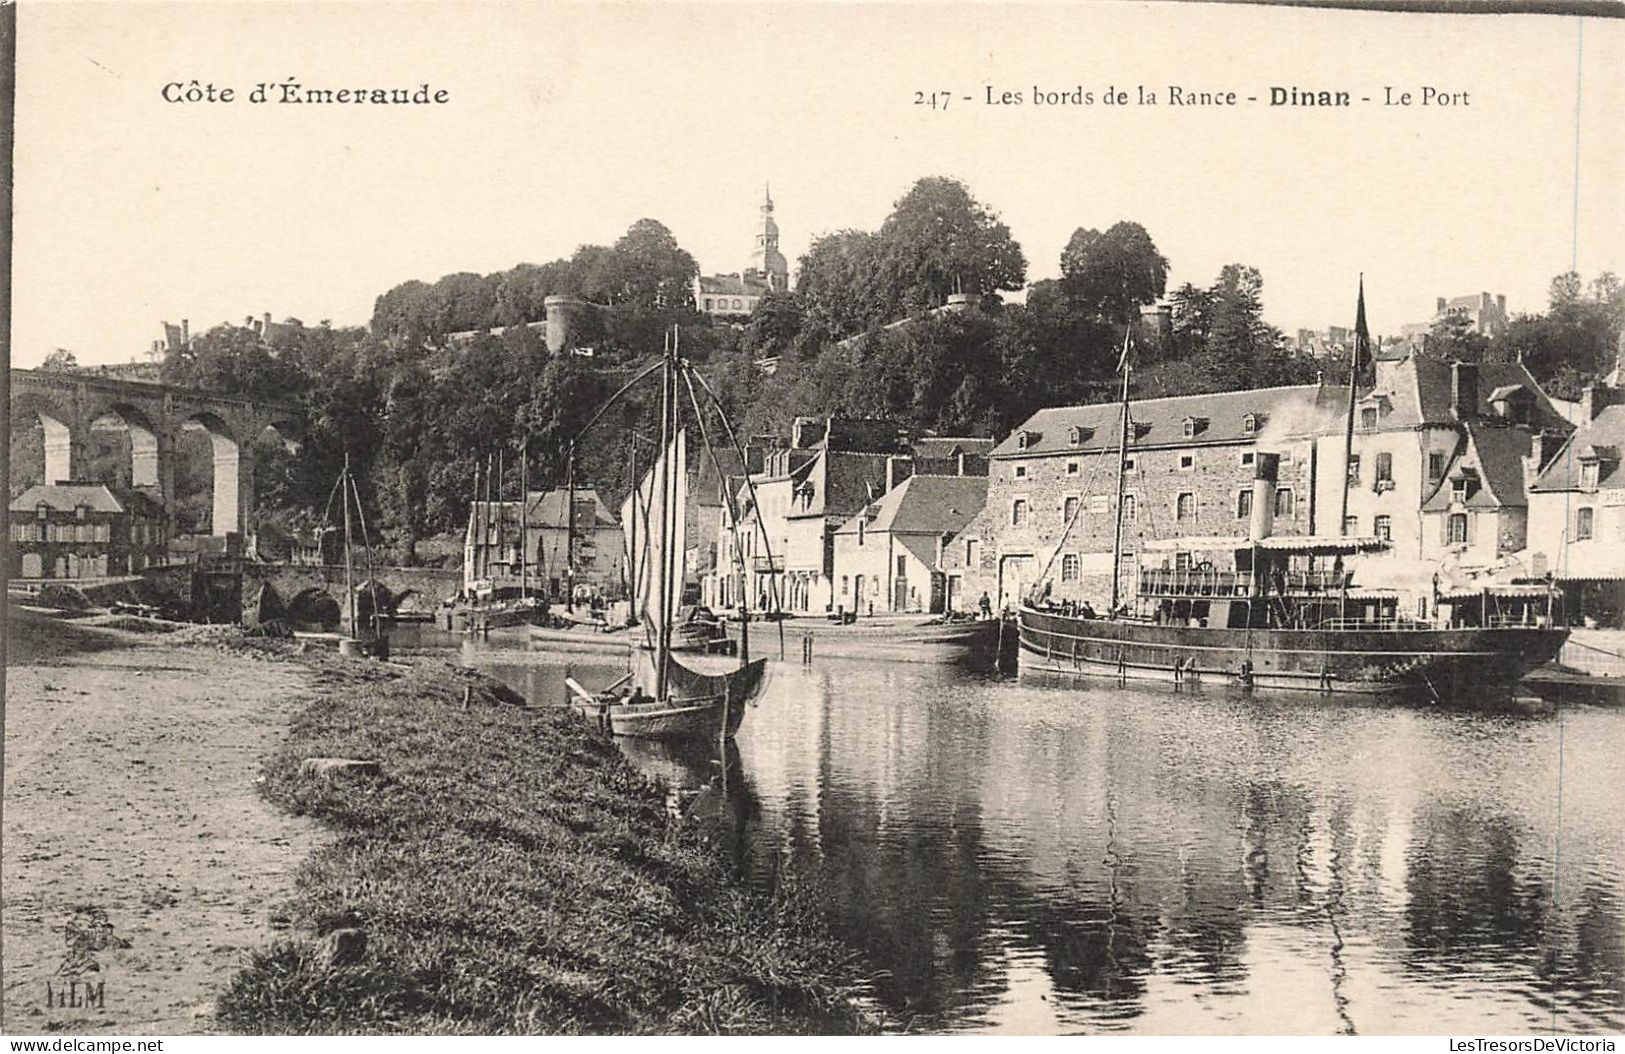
328 768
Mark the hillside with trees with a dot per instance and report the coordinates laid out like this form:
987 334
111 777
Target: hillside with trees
427 392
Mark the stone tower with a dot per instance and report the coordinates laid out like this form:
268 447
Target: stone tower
765 260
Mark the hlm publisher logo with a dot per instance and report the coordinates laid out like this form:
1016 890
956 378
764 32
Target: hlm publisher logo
87 932
75 994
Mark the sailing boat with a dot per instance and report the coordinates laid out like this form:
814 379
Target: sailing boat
661 697
1282 612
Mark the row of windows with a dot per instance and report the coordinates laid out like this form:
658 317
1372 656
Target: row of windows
1381 526
1385 468
61 532
1184 508
722 303
1187 463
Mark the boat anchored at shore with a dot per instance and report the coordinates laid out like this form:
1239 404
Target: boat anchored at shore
1269 612
661 697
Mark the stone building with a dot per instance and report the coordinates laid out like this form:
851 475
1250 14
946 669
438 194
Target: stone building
1051 507
1442 455
736 295
1577 514
492 558
1483 313
888 558
84 530
804 492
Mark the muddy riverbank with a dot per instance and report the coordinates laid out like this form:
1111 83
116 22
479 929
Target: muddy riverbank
139 854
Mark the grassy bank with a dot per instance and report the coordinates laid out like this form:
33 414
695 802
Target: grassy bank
511 873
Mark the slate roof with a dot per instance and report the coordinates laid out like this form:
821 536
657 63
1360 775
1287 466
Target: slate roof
930 505
949 446
547 510
732 285
1221 418
97 497
1433 388
850 481
1608 430
1498 452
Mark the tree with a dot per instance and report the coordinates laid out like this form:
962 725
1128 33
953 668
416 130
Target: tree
837 282
939 240
1453 337
648 271
1112 274
60 361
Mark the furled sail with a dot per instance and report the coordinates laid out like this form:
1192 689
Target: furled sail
660 497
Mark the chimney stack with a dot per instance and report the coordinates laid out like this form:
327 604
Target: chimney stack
1501 303
806 431
1464 390
1595 399
898 468
1266 470
186 333
1440 309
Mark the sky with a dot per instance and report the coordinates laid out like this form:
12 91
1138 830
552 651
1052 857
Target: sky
566 123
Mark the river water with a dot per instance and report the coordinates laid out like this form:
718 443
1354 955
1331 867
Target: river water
1043 858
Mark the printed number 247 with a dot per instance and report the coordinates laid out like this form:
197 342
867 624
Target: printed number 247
937 100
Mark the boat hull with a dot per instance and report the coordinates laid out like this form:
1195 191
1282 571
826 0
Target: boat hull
970 643
698 706
1456 665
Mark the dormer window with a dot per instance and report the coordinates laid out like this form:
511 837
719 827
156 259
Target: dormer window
1024 439
1074 435
1194 426
1368 418
1590 474
1251 423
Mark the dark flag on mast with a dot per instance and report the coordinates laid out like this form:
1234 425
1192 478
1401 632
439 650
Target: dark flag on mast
1362 335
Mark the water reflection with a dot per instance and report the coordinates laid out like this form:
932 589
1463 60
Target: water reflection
1020 857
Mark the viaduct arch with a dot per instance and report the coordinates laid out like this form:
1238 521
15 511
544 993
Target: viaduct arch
71 406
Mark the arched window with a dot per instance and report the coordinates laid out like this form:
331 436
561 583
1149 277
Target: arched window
1185 507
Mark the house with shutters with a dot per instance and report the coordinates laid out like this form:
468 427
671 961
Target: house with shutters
1577 513
84 530
493 559
1441 460
888 557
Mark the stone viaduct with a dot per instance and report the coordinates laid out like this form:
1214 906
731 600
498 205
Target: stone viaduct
70 406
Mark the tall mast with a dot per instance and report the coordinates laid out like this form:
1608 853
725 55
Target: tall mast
1362 338
570 528
349 570
524 515
661 639
501 549
632 537
477 539
1122 462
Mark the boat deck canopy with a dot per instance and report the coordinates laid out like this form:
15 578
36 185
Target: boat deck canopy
1322 545
1278 543
1499 592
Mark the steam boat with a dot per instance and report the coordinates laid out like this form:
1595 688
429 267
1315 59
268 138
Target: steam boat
1268 612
